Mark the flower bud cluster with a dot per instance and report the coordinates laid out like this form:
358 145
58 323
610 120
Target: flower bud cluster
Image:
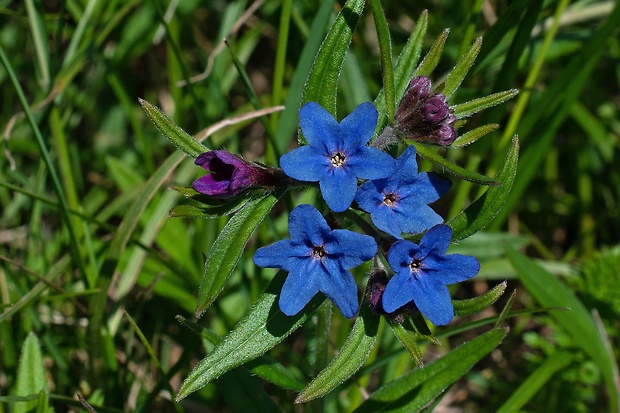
424 116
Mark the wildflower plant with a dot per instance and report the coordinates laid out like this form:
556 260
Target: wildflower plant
375 208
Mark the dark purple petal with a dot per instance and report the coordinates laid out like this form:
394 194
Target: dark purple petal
446 134
209 186
338 190
318 126
305 164
435 109
357 128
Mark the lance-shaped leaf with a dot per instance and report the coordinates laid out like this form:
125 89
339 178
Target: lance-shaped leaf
259 331
408 339
263 366
404 67
473 135
477 215
432 57
429 153
385 45
352 355
467 109
228 247
456 76
474 305
172 131
322 82
30 374
414 390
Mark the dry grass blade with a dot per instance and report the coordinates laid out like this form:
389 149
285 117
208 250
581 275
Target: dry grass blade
203 134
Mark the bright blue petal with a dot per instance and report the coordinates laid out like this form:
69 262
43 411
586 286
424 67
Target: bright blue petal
399 291
318 126
424 187
372 163
351 248
433 300
338 190
306 225
299 287
357 128
451 269
341 288
281 254
387 220
401 254
370 195
416 218
436 240
306 163
407 164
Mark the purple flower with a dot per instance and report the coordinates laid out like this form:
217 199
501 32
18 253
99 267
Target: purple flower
336 154
425 117
422 273
399 203
317 259
230 174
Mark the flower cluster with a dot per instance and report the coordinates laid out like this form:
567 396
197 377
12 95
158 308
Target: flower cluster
394 194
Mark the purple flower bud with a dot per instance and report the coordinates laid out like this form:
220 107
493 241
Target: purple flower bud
446 134
435 108
376 285
418 89
229 174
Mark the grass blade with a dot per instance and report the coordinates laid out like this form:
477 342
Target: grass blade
385 45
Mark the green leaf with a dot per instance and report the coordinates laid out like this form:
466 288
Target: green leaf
456 76
30 374
474 305
385 46
429 153
228 247
414 390
172 131
467 109
259 331
264 366
432 57
322 82
577 322
191 211
404 67
477 215
244 393
409 340
473 135
351 357
535 382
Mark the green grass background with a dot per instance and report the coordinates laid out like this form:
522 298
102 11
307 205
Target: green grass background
91 264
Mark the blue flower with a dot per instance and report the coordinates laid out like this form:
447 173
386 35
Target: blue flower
336 154
423 273
317 259
399 203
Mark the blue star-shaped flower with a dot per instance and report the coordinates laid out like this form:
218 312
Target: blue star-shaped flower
336 154
398 203
317 259
423 273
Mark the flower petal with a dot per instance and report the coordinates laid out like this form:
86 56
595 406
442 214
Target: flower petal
433 300
399 291
282 254
209 186
425 187
357 128
451 269
305 163
340 287
318 126
338 190
351 248
299 288
436 240
372 163
401 254
307 226
415 218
